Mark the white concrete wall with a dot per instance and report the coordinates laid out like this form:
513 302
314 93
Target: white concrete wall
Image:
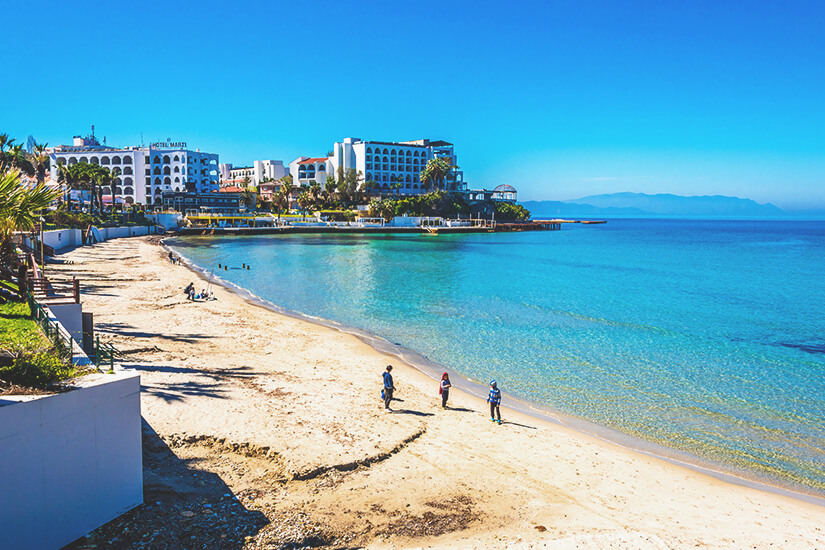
71 317
62 238
166 220
70 462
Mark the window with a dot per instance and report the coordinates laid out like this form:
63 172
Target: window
127 181
177 169
156 160
127 160
127 170
176 158
166 170
94 160
157 170
167 181
166 159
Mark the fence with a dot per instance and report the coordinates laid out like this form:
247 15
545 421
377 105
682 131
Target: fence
62 340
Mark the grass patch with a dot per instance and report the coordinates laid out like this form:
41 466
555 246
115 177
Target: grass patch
27 357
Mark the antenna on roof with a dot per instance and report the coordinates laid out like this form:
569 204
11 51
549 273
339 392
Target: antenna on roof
93 131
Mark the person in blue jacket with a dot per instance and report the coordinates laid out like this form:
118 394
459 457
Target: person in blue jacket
494 399
389 387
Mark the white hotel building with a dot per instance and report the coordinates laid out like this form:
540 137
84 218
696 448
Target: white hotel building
385 163
144 173
259 172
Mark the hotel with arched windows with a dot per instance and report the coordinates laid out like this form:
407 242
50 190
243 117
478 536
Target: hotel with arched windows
393 167
143 173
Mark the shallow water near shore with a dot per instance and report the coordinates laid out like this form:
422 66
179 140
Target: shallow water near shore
705 337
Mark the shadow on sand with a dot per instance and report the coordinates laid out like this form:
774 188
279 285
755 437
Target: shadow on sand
183 508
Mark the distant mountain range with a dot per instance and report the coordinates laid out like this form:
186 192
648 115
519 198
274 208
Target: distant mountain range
641 205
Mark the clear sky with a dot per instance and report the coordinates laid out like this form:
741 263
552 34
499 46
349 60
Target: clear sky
560 99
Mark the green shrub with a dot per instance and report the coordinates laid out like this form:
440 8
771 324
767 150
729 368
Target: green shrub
36 370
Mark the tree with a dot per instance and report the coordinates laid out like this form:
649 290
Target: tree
249 197
86 177
315 192
330 186
280 200
20 208
304 201
436 172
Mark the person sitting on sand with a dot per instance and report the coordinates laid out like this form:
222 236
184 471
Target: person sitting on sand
444 389
494 399
389 387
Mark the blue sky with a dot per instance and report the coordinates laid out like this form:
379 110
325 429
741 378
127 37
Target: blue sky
560 99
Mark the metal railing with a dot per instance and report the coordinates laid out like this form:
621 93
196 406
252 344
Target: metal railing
62 340
105 354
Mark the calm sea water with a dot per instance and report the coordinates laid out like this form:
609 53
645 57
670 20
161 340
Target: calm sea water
705 337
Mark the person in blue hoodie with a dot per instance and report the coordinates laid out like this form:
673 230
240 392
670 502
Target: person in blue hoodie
494 399
389 387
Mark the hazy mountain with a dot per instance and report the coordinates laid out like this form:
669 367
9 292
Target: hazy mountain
558 209
636 205
675 205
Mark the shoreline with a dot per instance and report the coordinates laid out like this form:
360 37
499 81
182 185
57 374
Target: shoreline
268 428
478 390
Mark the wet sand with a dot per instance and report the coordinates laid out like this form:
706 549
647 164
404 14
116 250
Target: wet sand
284 415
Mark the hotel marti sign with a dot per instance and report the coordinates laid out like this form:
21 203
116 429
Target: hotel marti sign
168 144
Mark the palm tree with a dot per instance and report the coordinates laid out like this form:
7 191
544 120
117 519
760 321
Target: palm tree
436 171
249 196
315 192
280 200
304 201
19 211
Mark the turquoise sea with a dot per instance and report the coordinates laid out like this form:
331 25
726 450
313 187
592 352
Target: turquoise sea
706 337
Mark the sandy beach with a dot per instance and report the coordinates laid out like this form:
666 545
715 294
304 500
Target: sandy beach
263 430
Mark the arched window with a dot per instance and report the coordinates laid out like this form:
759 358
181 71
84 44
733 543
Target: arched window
415 186
128 191
177 169
386 159
166 171
61 161
167 181
157 181
166 159
84 159
72 160
409 179
156 160
176 158
94 160
322 168
104 160
385 186
369 150
409 153
127 160
415 154
127 170
106 190
127 181
116 160
177 179
385 152
156 171
158 200
177 189
384 177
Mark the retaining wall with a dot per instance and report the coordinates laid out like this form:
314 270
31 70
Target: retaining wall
70 462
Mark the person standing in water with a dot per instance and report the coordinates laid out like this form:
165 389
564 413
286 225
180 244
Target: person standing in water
444 389
494 399
389 387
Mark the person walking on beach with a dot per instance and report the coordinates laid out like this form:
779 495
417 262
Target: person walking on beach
389 387
494 399
444 389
